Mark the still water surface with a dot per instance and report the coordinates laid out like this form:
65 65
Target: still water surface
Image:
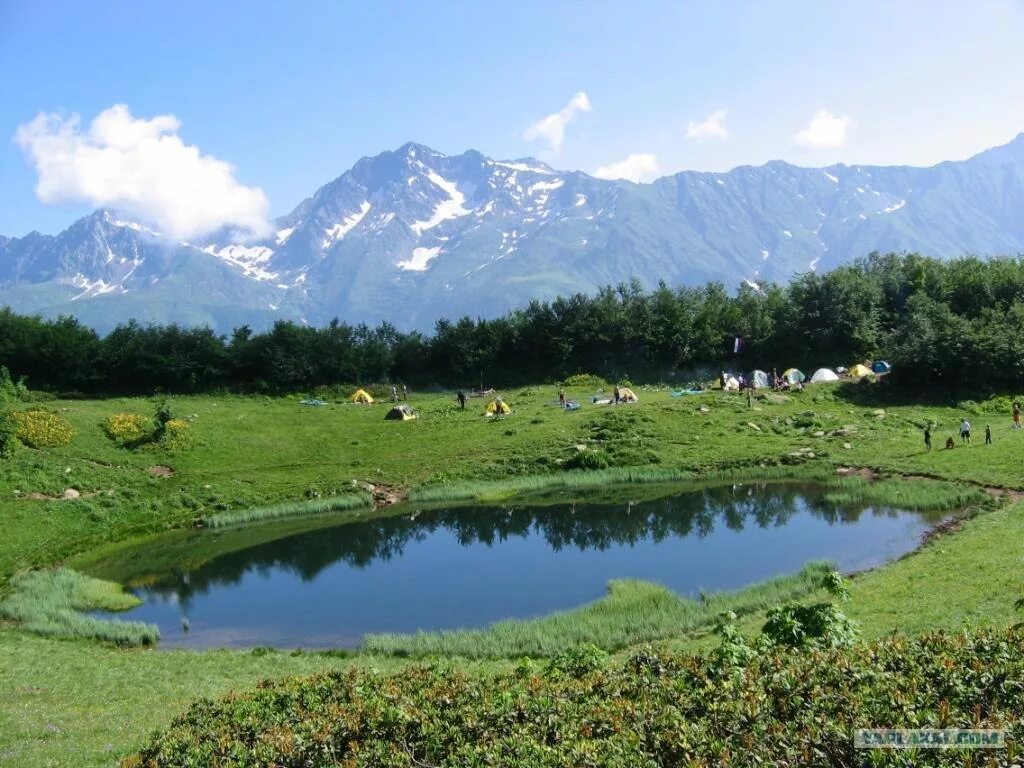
469 566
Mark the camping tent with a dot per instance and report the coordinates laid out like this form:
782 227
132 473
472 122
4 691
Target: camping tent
498 406
859 370
793 376
626 395
400 413
731 382
880 366
824 374
361 396
759 380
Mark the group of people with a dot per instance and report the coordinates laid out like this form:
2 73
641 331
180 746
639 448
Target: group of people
965 431
394 393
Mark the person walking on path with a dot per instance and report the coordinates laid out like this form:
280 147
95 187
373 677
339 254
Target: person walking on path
988 435
928 437
461 397
1016 415
965 431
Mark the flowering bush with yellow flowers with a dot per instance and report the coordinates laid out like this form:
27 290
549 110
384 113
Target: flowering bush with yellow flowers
128 429
176 437
39 428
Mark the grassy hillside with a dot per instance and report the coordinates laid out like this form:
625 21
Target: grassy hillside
258 452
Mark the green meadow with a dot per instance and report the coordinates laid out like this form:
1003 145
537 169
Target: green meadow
68 698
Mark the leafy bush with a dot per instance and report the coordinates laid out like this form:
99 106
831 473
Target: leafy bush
9 442
585 380
821 624
39 428
587 460
11 391
176 436
128 429
654 709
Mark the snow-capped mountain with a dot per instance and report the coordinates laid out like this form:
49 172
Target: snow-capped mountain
413 235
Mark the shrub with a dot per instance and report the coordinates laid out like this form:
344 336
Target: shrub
661 709
587 460
176 437
8 434
585 380
128 429
39 428
11 391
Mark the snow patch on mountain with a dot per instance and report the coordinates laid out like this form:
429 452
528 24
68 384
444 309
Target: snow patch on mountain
338 231
447 209
893 208
830 177
544 186
284 234
525 167
91 287
251 260
420 259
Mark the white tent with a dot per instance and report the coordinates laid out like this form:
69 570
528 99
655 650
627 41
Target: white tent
824 374
731 383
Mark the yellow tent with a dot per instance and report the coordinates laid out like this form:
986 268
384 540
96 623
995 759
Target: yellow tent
361 396
860 370
498 406
626 395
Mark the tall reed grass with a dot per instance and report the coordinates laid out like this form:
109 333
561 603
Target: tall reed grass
632 612
288 509
921 495
51 603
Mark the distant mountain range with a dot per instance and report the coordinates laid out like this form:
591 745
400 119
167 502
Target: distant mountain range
413 235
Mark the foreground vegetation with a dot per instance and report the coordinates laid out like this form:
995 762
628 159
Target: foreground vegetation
778 708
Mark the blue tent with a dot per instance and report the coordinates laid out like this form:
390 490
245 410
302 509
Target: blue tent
880 366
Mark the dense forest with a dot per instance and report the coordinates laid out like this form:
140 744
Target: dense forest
957 324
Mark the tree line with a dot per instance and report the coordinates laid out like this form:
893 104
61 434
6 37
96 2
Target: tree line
958 323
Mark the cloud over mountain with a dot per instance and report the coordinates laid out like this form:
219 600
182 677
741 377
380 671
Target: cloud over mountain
552 127
142 167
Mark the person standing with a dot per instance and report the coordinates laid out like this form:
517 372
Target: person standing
405 392
1016 415
561 397
988 435
394 394
928 437
615 394
965 431
461 397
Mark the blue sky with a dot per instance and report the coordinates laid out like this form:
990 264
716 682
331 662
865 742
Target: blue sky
292 94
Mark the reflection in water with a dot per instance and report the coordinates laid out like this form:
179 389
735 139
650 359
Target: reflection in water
473 565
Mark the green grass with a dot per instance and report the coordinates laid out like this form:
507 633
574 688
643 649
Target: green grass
51 603
288 509
921 495
632 612
65 701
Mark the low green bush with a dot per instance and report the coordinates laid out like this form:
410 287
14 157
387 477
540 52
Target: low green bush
779 709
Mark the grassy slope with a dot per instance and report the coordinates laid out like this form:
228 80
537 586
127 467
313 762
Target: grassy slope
261 451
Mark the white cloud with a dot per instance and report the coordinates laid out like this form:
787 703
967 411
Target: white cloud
552 128
639 167
713 127
825 130
140 167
